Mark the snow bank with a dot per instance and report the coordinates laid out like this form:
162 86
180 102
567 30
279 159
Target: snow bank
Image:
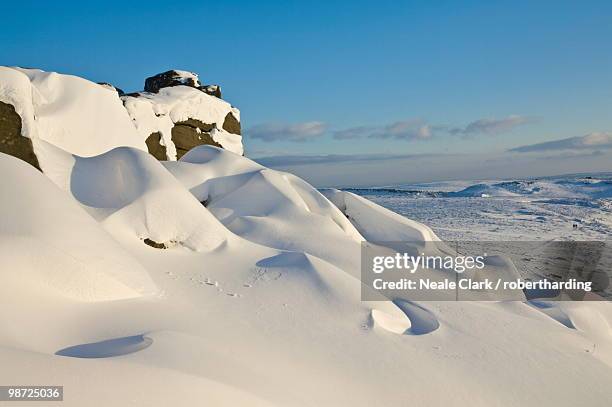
49 244
133 195
268 207
16 90
255 316
71 113
376 223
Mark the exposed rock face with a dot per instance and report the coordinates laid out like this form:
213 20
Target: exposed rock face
156 149
11 140
170 78
231 124
191 133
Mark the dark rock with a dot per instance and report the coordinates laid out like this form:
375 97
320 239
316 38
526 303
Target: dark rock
155 147
11 140
212 90
231 124
186 136
120 92
154 244
166 80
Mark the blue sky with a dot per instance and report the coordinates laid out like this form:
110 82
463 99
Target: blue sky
353 77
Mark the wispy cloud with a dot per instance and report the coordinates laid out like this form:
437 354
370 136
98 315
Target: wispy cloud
354 132
296 132
408 130
491 126
402 130
599 140
293 160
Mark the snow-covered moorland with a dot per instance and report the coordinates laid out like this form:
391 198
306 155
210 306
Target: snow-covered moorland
569 207
212 280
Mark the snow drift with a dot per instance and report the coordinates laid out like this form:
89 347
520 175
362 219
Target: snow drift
215 280
259 299
50 244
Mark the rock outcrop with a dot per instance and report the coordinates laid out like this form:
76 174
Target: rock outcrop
175 77
177 112
170 78
174 114
11 140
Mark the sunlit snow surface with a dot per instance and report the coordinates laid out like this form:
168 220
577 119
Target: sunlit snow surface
534 209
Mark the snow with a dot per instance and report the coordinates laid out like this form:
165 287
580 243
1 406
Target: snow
564 188
384 226
16 90
52 246
238 191
531 209
256 300
186 77
131 193
88 119
73 114
158 112
259 304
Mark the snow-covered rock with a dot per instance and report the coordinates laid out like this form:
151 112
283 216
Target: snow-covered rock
176 77
69 112
182 117
171 78
87 119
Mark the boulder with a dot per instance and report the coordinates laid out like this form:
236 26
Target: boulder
171 78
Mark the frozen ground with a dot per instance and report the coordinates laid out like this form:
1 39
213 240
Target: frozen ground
527 210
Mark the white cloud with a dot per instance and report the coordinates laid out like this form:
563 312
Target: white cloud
491 126
402 130
598 140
